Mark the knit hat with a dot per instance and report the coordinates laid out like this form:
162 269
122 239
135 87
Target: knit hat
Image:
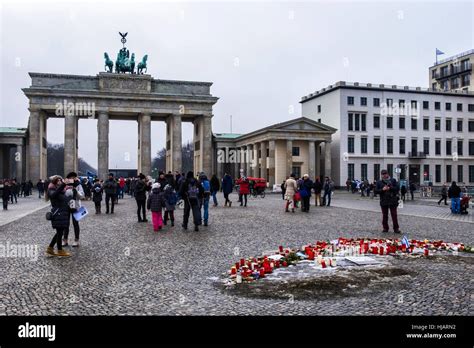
156 185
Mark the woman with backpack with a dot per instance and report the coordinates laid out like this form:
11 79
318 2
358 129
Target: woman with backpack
60 213
171 198
155 203
192 193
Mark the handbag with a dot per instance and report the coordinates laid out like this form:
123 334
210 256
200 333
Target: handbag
50 214
297 196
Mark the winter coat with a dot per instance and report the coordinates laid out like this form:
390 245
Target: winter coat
290 187
328 186
388 198
78 194
59 206
215 185
97 193
6 192
305 188
183 191
170 197
110 187
318 187
162 181
156 201
227 186
244 186
140 190
454 191
444 191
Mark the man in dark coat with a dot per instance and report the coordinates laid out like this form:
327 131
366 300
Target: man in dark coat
388 189
192 193
305 192
227 188
110 189
141 189
215 187
6 194
454 193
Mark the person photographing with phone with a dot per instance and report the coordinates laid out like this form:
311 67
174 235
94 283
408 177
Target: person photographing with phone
388 189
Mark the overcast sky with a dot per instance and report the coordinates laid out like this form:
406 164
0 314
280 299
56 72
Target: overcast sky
261 56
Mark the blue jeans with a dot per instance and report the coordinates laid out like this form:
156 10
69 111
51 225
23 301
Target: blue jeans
214 198
456 205
328 199
205 204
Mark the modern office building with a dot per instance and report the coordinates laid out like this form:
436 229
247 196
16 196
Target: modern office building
428 134
453 73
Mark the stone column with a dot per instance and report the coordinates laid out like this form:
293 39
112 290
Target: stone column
144 141
206 146
318 160
103 145
197 141
35 145
19 163
255 160
327 159
271 162
312 159
289 157
175 145
248 160
5 161
263 160
70 144
44 145
237 163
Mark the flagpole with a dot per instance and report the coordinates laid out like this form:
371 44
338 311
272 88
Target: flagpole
436 54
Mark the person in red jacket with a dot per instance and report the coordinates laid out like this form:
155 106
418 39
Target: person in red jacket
121 187
244 190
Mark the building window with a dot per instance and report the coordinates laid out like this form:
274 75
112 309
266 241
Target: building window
351 122
401 146
414 123
448 106
470 125
414 146
414 104
377 171
459 106
459 125
438 173
448 173
376 102
363 122
389 102
363 101
319 109
437 124
376 145
295 151
448 125
389 122
426 105
465 80
376 121
401 103
350 100
460 173
268 154
350 144
438 147
297 171
470 107
471 147
449 147
401 123
390 169
426 146
363 145
437 106
471 173
460 152
444 85
402 171
389 145
426 124
356 121
350 171
363 171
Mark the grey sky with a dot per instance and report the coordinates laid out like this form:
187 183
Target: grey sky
261 56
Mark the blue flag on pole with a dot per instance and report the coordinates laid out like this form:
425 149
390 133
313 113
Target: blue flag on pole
438 52
405 242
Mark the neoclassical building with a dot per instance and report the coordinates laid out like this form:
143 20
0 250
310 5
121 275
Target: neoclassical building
300 146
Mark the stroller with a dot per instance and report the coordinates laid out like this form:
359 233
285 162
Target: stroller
464 204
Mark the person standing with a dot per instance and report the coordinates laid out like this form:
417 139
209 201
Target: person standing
6 194
215 187
97 196
454 193
290 190
412 190
244 190
227 187
60 213
305 192
191 192
206 196
110 189
121 184
328 189
140 196
403 191
444 195
388 189
155 204
317 187
40 187
77 195
171 198
283 189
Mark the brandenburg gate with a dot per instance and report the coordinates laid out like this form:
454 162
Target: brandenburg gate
118 96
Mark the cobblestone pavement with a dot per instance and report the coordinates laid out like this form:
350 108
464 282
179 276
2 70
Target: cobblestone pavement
427 208
124 268
23 207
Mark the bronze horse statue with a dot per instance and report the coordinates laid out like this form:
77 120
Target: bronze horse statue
109 64
142 65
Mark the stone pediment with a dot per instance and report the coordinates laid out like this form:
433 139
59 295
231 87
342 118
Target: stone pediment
303 124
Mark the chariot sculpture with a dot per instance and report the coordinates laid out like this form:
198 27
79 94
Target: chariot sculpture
125 62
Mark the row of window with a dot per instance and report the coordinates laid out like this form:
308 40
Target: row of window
458 149
402 104
426 172
358 122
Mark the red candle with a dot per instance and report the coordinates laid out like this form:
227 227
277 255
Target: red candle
285 264
262 272
323 264
233 271
277 264
426 252
381 250
280 248
375 250
237 265
404 248
242 262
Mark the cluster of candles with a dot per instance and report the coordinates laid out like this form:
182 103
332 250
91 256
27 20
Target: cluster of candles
324 254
